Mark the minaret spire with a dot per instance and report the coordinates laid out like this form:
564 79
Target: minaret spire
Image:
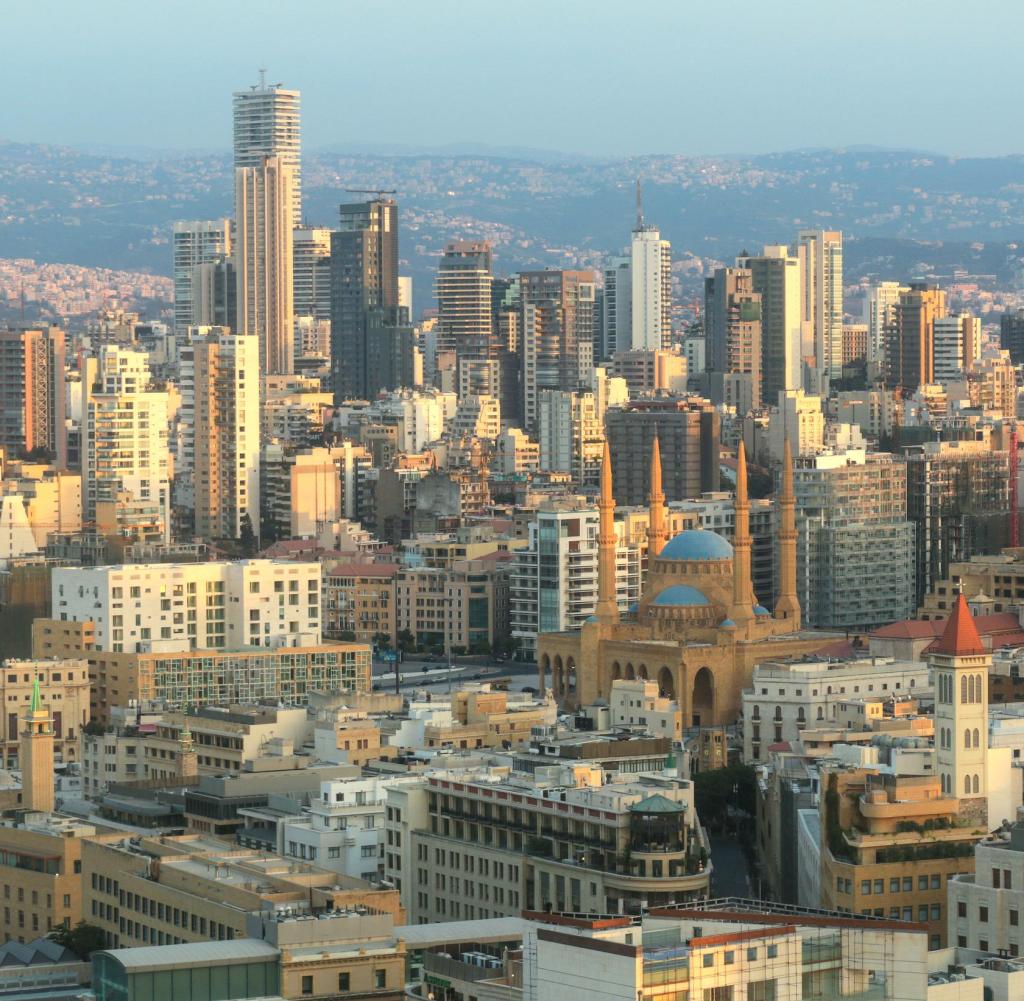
607 606
656 530
742 590
788 604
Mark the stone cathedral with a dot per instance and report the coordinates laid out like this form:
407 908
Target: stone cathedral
699 629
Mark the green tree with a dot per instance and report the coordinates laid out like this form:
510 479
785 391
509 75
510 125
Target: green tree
406 641
716 790
247 537
83 940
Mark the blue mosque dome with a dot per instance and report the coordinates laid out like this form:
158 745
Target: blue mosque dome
696 544
727 624
680 594
761 610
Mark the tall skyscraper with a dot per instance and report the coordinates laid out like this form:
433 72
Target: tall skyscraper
464 318
224 387
879 314
638 293
732 326
267 123
263 260
195 244
126 467
311 272
821 275
557 334
910 337
775 276
32 391
364 276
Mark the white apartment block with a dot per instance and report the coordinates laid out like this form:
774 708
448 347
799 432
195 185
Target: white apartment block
879 314
799 418
639 704
785 699
986 907
570 435
343 829
163 607
195 243
553 583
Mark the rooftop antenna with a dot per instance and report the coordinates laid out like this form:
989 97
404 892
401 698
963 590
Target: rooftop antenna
263 78
639 207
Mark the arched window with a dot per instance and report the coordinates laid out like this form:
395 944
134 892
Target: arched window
778 714
976 783
967 785
757 712
963 689
967 738
976 737
978 687
821 713
800 715
972 689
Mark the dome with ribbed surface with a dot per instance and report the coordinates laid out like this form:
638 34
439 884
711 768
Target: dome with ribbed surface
680 594
697 544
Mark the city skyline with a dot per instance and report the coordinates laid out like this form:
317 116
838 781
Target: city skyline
682 67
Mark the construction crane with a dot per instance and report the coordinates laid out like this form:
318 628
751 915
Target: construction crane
371 191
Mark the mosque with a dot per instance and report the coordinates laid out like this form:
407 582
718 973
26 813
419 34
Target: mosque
699 629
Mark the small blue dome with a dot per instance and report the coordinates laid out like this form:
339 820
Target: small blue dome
680 594
728 624
761 610
697 544
590 618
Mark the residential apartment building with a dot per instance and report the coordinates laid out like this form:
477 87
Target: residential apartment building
487 848
311 272
786 699
553 584
732 327
879 315
650 371
195 244
820 253
855 546
910 337
570 435
161 607
32 399
125 461
265 201
957 346
359 601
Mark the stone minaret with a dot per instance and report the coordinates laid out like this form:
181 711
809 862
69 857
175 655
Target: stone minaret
36 753
188 758
788 605
607 606
656 530
742 590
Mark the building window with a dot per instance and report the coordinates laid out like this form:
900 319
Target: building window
307 985
961 908
983 915
344 981
380 979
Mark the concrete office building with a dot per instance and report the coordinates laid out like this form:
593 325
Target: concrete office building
32 398
463 292
820 253
688 432
855 546
264 207
195 244
267 122
775 276
957 346
1011 335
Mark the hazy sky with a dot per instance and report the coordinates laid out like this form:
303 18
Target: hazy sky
605 77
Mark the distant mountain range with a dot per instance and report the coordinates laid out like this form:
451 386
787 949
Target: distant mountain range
902 212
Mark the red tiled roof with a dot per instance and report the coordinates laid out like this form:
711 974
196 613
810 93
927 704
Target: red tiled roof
960 636
915 629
